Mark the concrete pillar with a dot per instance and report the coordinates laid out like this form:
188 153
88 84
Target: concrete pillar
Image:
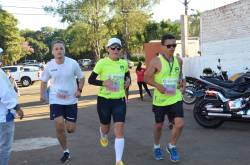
184 35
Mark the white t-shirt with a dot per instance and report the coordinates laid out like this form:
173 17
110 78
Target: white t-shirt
62 78
8 96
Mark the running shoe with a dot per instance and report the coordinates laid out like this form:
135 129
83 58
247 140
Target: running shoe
158 154
174 156
65 157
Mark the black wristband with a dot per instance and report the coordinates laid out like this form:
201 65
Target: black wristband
17 107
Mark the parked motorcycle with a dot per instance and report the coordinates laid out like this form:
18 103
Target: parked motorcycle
193 84
222 100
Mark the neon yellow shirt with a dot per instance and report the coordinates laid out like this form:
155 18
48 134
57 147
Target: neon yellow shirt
114 70
169 78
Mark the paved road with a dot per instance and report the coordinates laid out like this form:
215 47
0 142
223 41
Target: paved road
227 145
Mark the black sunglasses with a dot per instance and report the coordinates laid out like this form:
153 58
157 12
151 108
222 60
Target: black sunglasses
117 48
171 45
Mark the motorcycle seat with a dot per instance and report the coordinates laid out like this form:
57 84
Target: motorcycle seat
227 92
191 80
221 83
233 94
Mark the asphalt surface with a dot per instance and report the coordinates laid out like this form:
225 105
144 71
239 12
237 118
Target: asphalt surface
226 145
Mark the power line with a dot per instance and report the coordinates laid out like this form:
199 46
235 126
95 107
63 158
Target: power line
23 7
38 8
31 14
36 1
65 9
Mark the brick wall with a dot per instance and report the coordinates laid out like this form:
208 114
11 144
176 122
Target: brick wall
227 22
225 34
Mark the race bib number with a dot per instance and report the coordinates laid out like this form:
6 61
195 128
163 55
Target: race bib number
170 85
62 94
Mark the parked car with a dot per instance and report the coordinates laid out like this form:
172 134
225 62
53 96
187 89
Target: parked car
26 62
86 63
35 65
24 75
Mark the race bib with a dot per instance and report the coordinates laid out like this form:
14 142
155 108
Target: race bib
62 94
170 85
116 82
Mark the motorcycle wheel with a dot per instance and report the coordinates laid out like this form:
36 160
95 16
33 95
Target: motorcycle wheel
188 98
200 113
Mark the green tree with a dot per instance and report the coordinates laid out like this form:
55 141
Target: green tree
171 28
10 39
89 16
194 25
155 30
40 49
27 50
42 38
100 19
129 21
152 31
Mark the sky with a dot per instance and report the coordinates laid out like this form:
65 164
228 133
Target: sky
31 16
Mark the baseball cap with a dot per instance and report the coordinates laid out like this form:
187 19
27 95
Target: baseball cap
113 41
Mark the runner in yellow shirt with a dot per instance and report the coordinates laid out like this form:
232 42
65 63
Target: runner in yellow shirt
165 74
114 78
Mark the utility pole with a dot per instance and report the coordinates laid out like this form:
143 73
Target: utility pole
184 29
125 12
186 6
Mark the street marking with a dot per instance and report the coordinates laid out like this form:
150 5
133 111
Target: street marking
34 143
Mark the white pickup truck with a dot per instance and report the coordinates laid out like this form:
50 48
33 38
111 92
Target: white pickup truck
24 75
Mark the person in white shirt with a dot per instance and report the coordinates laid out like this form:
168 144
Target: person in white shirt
63 94
8 109
13 82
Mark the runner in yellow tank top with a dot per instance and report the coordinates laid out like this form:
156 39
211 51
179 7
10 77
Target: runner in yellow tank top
165 74
114 78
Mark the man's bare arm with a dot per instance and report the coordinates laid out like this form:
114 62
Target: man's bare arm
80 86
42 90
81 83
181 66
149 73
182 81
153 68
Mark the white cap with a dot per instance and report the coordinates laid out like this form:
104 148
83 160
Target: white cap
114 41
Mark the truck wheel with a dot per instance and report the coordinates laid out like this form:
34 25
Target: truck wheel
25 81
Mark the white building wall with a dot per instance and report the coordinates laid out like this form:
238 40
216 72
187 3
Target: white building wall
225 34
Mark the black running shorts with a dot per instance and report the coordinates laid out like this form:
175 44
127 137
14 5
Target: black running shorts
111 107
68 112
172 111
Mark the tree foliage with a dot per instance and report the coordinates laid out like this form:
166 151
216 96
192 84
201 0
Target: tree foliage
129 21
40 49
10 39
155 30
40 41
101 19
87 15
194 25
91 24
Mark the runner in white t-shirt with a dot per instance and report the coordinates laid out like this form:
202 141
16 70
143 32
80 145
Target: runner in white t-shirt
63 94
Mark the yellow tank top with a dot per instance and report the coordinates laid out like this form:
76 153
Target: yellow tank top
169 78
